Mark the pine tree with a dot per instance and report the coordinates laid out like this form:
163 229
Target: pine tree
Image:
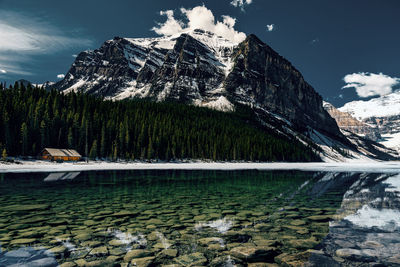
93 150
70 138
24 139
4 154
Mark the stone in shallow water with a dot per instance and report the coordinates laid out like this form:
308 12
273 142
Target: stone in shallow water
255 254
193 259
125 213
210 240
297 222
216 247
298 259
99 251
200 217
91 244
227 212
117 243
137 253
83 237
29 234
303 243
164 255
143 262
154 221
153 236
263 227
225 261
84 263
22 241
112 259
90 222
117 251
58 250
32 220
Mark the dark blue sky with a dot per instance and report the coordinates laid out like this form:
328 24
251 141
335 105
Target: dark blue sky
325 40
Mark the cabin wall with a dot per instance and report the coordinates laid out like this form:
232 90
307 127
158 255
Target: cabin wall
46 156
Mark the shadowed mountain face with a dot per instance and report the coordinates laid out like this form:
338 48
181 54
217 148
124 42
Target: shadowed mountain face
203 69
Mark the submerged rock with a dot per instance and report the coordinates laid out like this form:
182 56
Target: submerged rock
143 262
137 253
255 254
193 259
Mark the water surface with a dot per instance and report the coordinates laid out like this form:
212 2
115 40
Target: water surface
193 218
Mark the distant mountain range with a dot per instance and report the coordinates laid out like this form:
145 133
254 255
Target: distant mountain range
382 114
203 69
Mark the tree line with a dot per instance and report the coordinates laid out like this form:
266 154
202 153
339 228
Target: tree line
33 118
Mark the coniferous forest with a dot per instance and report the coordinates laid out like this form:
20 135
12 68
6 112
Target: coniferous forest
32 118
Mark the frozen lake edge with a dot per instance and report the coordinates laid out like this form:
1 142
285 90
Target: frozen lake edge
43 166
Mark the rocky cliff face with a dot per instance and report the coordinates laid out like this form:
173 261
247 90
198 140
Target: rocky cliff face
346 122
261 77
203 69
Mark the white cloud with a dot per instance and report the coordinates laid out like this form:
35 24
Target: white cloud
241 3
199 17
171 26
23 36
60 76
370 84
270 27
3 71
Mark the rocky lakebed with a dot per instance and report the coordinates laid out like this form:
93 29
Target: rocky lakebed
199 218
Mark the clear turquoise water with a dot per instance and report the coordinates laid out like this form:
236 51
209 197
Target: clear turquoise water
153 218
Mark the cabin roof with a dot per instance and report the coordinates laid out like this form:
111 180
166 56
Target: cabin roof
55 152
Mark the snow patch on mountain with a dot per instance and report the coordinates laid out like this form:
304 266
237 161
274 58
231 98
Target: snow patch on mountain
385 106
75 87
221 103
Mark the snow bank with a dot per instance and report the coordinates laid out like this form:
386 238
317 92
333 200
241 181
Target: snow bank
42 166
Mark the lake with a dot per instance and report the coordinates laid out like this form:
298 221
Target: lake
199 218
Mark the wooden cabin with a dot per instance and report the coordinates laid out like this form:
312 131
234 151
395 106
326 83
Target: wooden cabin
60 154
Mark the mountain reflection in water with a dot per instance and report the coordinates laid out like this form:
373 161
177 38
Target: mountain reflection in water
366 228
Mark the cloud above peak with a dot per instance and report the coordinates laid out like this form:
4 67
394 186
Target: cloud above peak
199 17
370 84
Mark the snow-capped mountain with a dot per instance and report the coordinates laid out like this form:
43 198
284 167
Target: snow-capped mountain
347 122
382 113
203 69
190 67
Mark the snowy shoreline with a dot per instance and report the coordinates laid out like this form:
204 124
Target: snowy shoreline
44 166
